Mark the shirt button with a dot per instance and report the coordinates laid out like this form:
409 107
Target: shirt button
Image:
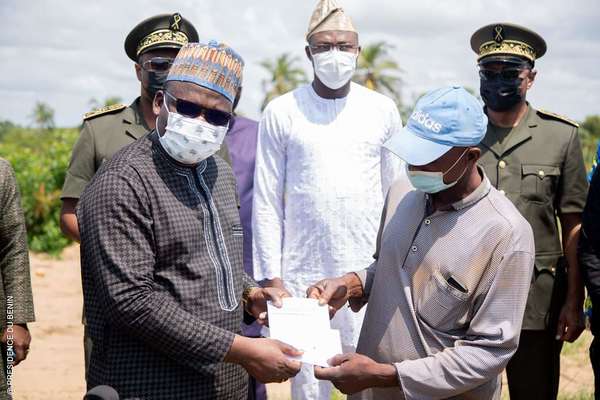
502 164
427 222
541 173
414 249
502 192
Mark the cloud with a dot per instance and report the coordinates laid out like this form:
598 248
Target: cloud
66 52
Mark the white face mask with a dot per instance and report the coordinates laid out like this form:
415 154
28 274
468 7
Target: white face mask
189 140
334 68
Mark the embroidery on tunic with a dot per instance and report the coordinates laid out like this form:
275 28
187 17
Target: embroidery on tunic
223 272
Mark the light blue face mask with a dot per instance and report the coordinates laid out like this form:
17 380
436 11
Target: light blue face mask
433 182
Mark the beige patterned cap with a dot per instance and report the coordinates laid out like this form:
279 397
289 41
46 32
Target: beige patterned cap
328 16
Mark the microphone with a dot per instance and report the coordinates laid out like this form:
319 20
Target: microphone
102 392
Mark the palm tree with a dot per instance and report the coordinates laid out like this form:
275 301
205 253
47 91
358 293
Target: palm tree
284 77
378 72
43 116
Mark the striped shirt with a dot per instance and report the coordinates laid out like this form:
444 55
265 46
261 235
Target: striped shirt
447 292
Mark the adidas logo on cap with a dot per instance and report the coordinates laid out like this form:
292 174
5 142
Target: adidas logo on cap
425 120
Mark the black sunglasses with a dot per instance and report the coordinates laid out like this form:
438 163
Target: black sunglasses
193 110
158 64
507 74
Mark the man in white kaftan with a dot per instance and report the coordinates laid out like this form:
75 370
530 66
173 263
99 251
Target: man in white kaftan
321 177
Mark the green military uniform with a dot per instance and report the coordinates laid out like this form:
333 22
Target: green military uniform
538 165
104 132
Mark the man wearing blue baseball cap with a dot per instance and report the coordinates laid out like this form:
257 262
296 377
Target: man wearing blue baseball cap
448 286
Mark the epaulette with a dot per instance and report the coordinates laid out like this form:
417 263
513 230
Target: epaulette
104 110
547 114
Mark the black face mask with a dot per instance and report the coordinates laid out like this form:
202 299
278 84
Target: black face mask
156 81
499 94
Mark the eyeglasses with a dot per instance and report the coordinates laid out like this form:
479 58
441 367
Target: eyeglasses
507 74
322 48
193 110
158 64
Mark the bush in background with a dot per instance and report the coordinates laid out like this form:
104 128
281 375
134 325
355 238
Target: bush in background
40 158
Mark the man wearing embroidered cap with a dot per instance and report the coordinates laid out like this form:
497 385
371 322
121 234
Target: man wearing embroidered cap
164 286
454 258
152 45
322 175
534 158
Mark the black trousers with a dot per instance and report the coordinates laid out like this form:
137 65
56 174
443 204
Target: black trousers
534 371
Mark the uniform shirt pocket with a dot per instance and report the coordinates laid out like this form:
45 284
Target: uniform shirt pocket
539 182
441 304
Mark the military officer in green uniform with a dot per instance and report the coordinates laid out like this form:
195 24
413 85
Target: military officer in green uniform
151 45
534 157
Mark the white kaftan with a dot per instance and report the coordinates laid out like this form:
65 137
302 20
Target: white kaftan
320 183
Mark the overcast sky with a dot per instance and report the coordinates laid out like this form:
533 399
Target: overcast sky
65 52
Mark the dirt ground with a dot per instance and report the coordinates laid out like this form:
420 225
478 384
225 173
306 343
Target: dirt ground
54 368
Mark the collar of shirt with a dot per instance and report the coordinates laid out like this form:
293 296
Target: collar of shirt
482 190
134 120
320 99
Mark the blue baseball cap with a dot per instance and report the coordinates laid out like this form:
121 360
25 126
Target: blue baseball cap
442 119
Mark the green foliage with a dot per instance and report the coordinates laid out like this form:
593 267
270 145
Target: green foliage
589 133
591 124
378 72
284 76
40 159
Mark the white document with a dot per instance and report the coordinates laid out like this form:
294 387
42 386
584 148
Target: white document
304 324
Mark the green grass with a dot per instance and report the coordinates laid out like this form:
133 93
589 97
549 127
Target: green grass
335 395
583 395
581 345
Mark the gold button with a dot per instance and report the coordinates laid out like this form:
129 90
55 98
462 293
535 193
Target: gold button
502 164
541 173
502 192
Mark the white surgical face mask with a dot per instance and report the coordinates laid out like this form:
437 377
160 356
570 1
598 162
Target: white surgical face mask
334 68
433 182
189 140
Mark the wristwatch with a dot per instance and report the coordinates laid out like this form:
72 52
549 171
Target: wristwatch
246 295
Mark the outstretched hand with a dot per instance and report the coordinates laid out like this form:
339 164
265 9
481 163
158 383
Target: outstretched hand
267 360
352 373
332 292
335 292
257 302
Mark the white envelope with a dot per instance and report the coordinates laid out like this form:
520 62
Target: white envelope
304 324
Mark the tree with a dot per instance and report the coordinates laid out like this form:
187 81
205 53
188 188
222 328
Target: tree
5 127
43 116
109 101
378 72
589 134
284 77
592 125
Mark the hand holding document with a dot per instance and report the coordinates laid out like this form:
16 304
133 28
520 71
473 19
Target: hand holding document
304 324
